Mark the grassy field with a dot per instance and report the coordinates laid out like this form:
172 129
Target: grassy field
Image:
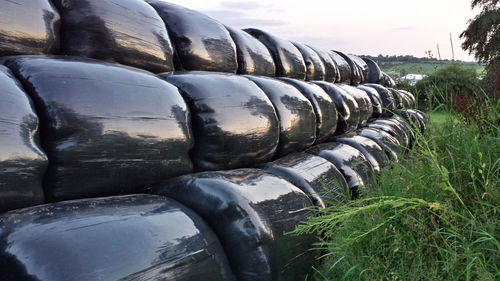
396 68
435 215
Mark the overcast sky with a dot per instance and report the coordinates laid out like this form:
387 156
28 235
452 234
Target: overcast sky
371 27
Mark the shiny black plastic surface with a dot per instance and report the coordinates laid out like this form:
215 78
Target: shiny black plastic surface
407 128
331 72
356 76
324 107
22 161
401 138
200 42
253 57
388 102
410 97
362 67
234 123
398 128
347 107
315 70
129 32
387 80
389 143
363 100
28 27
250 210
134 237
287 59
373 152
398 98
349 161
295 113
374 72
375 99
106 129
315 176
414 119
343 67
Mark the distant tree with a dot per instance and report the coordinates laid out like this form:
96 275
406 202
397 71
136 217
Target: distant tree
482 36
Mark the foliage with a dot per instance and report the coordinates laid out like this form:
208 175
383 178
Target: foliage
482 36
433 216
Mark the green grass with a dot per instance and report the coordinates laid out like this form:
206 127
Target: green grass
396 68
435 215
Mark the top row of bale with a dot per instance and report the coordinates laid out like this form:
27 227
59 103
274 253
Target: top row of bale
162 37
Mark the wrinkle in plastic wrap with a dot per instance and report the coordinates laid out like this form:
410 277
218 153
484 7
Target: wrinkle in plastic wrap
315 70
133 237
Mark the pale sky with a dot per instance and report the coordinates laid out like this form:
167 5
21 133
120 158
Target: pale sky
362 27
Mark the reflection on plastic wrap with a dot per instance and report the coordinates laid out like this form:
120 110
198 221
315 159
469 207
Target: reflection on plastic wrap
363 100
134 237
375 99
388 102
315 70
370 149
250 211
106 129
22 162
391 145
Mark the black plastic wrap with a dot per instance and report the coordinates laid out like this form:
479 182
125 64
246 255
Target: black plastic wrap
130 33
28 27
324 107
22 161
287 58
375 99
253 57
391 145
234 123
362 67
394 132
401 101
297 120
106 129
250 210
410 97
356 75
374 72
331 72
353 165
399 130
373 152
344 70
387 80
401 122
315 70
363 100
315 176
347 107
388 102
134 237
200 42
414 119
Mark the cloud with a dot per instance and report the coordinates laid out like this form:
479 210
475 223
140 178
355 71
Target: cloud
239 19
402 29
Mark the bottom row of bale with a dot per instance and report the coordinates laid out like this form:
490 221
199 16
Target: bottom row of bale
221 225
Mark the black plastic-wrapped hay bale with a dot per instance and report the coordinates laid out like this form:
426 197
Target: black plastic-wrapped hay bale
130 33
106 129
363 100
342 66
315 70
391 145
413 119
28 27
387 81
399 131
394 132
200 42
401 101
375 99
250 210
288 60
134 237
405 126
410 96
22 161
324 108
356 76
234 123
362 67
374 72
353 165
331 72
295 114
253 57
347 107
373 152
388 102
314 175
